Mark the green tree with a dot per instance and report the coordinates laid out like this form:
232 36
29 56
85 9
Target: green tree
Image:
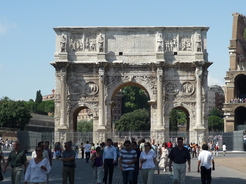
13 114
134 98
173 120
215 123
138 120
182 119
85 126
215 112
39 97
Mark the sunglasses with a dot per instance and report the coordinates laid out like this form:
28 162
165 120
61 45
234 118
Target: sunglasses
38 150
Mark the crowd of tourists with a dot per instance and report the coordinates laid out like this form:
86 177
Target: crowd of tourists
131 157
238 100
6 144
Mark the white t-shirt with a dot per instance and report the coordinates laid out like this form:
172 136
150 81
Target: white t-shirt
87 147
224 147
206 157
34 173
149 163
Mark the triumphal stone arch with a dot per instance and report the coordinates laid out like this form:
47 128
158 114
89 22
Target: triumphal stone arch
93 63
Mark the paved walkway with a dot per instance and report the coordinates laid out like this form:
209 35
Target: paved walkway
83 175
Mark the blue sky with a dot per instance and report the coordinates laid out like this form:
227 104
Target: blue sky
27 39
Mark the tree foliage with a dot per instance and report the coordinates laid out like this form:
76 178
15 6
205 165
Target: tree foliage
134 98
215 123
138 120
173 120
39 97
85 126
13 114
215 112
215 120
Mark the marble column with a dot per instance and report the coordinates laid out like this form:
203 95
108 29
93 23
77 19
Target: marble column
63 109
198 96
101 98
159 98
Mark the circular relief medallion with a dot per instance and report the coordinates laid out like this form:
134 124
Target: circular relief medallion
171 88
91 88
75 87
187 88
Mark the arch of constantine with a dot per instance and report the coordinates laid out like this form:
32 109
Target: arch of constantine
93 63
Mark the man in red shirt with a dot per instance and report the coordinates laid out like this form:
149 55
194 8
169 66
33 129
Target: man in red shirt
170 145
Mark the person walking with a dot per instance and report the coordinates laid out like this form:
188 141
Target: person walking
68 159
224 149
17 159
97 159
87 147
38 168
109 159
82 151
164 156
127 159
178 157
136 165
205 159
148 163
1 159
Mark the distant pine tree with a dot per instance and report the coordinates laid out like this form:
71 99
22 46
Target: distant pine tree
39 97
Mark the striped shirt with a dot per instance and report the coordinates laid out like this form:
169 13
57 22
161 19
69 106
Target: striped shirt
126 157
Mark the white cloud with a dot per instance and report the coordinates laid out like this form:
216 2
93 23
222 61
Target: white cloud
215 81
5 25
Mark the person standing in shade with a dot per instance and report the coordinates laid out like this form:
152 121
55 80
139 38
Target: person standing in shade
136 167
109 159
148 163
178 157
82 151
127 159
17 159
205 159
97 165
38 168
68 159
87 147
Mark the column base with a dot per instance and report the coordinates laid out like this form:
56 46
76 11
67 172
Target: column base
62 127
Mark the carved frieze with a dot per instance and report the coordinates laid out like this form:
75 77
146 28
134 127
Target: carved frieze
187 88
185 42
76 42
170 42
75 87
171 88
91 88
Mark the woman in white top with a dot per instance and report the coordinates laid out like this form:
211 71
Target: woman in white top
164 156
148 163
38 168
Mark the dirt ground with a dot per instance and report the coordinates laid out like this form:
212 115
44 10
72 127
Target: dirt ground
233 163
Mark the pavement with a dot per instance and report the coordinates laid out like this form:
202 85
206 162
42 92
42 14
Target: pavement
222 174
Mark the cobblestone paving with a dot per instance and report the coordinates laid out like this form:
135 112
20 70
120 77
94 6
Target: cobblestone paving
83 175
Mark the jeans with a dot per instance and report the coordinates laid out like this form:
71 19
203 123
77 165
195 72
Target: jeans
206 175
98 173
128 176
136 172
87 156
108 170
